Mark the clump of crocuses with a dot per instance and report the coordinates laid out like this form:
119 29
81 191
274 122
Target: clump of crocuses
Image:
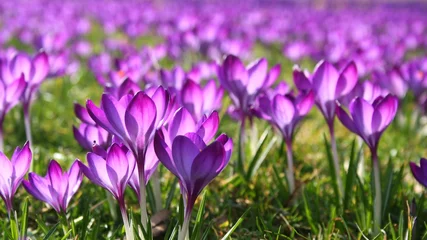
133 120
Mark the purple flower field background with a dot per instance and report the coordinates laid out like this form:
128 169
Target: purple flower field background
213 119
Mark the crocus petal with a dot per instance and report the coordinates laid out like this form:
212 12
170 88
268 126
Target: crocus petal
305 104
257 76
40 68
162 100
21 64
301 81
419 173
182 122
207 165
14 91
384 113
192 96
346 120
115 113
283 111
324 80
183 153
21 160
163 152
98 173
209 127
98 115
82 114
272 75
362 112
228 146
347 80
140 118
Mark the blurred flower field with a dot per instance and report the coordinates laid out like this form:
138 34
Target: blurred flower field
245 120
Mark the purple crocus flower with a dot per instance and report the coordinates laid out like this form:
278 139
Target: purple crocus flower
244 84
10 94
419 172
369 121
57 187
13 173
34 70
329 85
200 101
112 174
285 112
194 163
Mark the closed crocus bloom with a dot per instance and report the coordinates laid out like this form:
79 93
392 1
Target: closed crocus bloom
112 172
420 172
330 85
194 163
57 187
244 84
369 120
285 112
13 173
200 101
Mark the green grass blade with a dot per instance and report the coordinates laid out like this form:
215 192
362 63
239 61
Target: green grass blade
351 175
24 219
260 155
198 226
239 221
51 231
332 170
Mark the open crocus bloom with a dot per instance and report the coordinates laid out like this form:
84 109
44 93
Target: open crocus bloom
57 187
